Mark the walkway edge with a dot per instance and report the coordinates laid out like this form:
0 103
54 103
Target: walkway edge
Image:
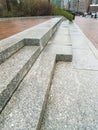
90 44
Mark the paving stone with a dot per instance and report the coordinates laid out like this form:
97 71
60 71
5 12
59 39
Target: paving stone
79 43
16 25
84 59
84 56
14 69
89 27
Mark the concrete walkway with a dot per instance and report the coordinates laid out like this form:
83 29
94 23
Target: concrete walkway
70 89
73 100
89 27
13 26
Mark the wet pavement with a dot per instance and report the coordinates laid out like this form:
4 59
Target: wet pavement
89 27
11 27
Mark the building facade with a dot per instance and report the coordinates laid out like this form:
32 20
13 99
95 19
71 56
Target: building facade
78 5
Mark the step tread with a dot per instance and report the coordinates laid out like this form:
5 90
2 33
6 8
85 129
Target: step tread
11 67
24 109
34 32
62 36
32 36
13 70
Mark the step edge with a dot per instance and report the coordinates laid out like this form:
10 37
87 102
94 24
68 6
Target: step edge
17 79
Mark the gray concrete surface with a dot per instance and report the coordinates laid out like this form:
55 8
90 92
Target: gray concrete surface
73 100
14 69
38 35
26 108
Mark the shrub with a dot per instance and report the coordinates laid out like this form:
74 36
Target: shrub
64 13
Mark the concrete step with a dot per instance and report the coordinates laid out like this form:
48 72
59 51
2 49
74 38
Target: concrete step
61 44
62 35
36 36
13 70
8 47
26 107
73 99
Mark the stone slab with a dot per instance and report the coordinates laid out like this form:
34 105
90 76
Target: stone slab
14 69
73 100
60 44
26 107
84 56
10 50
38 35
63 53
84 59
62 35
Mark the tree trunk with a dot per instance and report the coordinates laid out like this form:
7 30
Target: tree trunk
8 5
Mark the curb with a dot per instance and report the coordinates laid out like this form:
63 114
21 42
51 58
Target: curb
90 44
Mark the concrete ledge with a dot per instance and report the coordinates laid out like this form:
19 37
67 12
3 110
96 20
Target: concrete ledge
38 35
26 108
30 98
10 50
33 17
29 101
91 46
13 70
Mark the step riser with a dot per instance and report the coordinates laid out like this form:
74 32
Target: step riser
42 41
6 95
31 42
33 92
65 58
46 98
10 51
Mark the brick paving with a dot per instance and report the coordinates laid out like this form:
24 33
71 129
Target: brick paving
11 27
89 27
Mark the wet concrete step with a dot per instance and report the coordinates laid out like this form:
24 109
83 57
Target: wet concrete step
13 70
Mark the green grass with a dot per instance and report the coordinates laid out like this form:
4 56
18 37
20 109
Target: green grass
64 13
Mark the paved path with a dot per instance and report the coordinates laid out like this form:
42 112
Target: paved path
11 27
73 98
89 27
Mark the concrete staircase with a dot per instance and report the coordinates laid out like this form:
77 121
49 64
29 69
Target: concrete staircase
49 79
27 62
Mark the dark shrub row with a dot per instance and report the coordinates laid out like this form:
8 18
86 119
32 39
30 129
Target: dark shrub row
33 8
